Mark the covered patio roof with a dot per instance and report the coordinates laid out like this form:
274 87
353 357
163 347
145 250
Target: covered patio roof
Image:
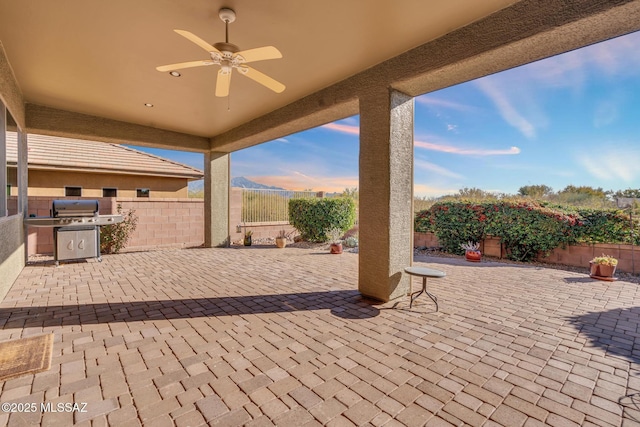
86 70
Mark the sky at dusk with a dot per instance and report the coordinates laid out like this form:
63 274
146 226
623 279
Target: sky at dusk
570 119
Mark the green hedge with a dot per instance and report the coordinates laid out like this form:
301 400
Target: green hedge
526 228
311 217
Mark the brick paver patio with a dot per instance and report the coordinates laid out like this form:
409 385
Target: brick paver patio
265 336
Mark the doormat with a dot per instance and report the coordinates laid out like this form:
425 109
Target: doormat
25 356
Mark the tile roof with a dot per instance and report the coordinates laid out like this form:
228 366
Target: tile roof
57 153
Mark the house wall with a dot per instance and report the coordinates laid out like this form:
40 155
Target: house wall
12 238
52 183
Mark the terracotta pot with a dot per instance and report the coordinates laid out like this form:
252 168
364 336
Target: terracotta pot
281 242
336 248
601 270
473 256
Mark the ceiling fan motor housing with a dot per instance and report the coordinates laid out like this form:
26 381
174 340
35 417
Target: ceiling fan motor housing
227 49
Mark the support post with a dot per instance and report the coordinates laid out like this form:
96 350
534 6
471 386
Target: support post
216 199
386 194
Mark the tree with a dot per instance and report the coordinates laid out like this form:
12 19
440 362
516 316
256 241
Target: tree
629 193
585 190
535 191
474 194
352 193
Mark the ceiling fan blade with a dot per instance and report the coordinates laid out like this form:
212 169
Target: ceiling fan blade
223 83
261 78
181 65
260 54
197 40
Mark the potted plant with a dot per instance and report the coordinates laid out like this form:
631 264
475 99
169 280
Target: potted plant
281 239
471 251
247 237
334 235
603 267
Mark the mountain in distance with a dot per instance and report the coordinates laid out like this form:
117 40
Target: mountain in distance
242 182
239 181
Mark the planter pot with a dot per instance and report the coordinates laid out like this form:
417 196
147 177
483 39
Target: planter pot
281 242
602 272
473 256
336 248
247 241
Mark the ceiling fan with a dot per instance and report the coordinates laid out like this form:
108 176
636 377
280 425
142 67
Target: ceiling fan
228 56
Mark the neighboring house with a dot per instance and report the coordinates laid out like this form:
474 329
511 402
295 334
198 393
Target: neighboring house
64 167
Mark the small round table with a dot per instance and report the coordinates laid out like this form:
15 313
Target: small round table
424 273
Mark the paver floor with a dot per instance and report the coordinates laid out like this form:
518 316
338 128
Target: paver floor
265 336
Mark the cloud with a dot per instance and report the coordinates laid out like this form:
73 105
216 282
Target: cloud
299 181
505 107
433 146
451 127
438 102
466 151
610 163
348 129
439 170
285 140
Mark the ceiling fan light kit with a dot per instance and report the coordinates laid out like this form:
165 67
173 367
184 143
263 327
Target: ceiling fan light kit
228 56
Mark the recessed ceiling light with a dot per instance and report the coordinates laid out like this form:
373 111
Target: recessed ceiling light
146 104
175 73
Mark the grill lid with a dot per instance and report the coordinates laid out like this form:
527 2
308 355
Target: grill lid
67 208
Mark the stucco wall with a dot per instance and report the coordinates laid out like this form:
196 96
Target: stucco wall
12 251
52 183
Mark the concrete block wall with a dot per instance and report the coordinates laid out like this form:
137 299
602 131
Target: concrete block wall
162 223
165 223
575 255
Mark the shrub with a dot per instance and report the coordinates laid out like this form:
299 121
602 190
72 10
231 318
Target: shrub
351 242
115 237
313 216
606 226
526 228
455 223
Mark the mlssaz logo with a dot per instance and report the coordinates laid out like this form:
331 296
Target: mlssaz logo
63 407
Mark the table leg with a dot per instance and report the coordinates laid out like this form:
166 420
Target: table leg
424 289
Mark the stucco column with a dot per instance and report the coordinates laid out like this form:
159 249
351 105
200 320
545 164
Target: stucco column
216 199
386 194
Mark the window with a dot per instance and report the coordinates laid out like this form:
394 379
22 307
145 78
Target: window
109 192
73 191
142 192
8 189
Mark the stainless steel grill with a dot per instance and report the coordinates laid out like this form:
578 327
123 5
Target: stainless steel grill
76 228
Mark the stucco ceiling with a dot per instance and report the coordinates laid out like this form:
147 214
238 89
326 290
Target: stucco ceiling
99 57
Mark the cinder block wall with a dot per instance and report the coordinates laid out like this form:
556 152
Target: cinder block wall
162 223
165 223
577 255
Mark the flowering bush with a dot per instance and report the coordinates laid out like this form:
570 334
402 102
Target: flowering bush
525 227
